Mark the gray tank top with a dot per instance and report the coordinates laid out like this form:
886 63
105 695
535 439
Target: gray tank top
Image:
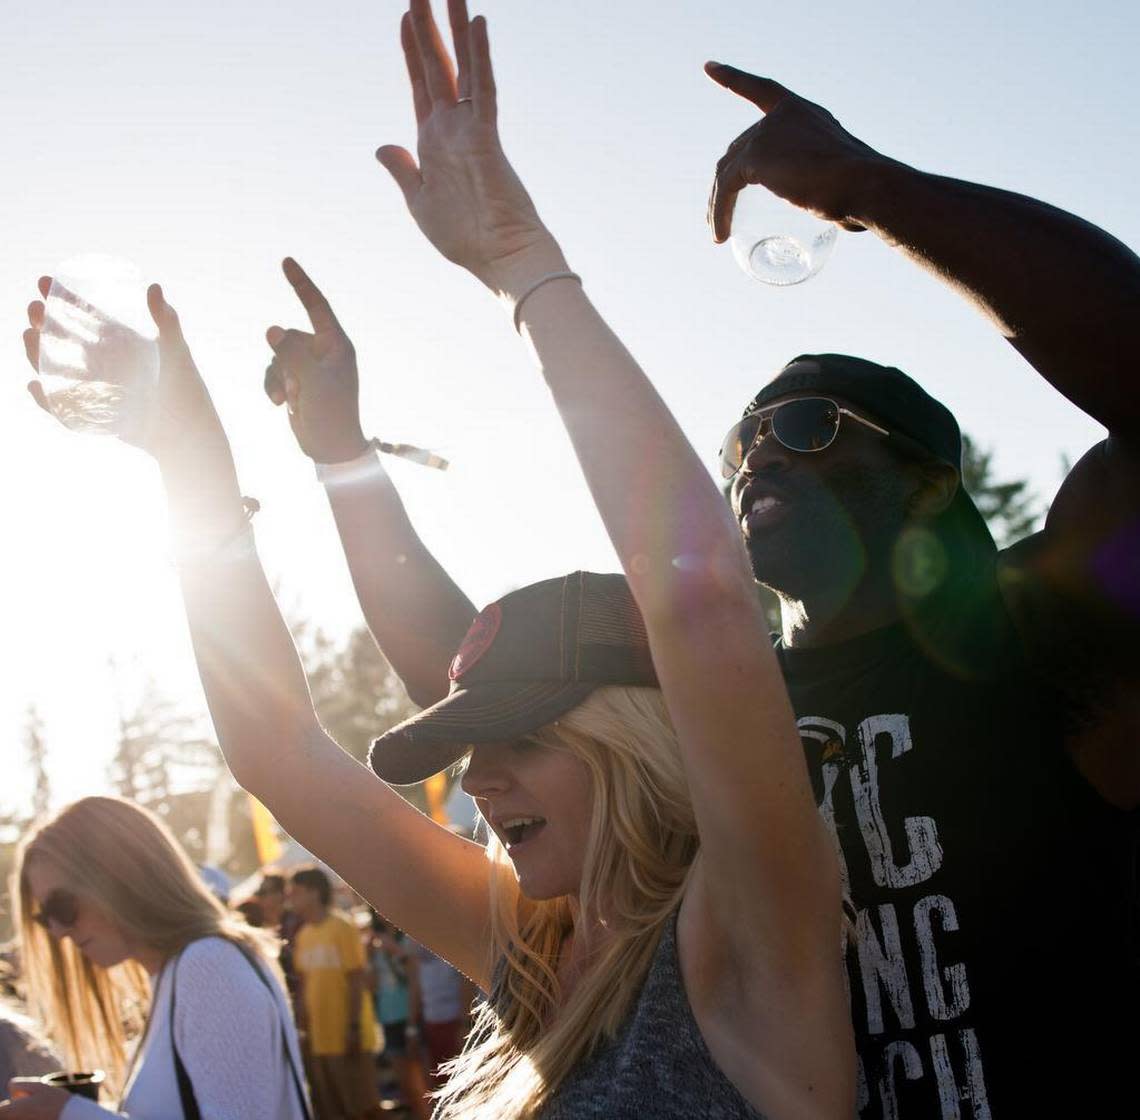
658 1066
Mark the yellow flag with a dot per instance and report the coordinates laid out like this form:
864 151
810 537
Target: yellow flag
435 789
264 832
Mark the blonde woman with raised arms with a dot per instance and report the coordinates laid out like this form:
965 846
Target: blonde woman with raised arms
657 918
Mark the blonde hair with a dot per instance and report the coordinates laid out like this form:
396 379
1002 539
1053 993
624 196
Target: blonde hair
120 857
642 843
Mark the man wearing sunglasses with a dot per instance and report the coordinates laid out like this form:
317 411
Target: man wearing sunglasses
969 717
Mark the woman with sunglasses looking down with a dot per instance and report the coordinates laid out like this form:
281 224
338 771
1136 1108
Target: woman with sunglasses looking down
657 917
117 930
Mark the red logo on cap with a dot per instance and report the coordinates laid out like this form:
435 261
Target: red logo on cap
478 640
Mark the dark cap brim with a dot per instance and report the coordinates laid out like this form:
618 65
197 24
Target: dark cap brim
439 736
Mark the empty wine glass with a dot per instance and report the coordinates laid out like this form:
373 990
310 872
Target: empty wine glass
98 350
776 242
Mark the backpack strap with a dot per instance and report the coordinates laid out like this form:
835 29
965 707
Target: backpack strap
190 1109
298 1084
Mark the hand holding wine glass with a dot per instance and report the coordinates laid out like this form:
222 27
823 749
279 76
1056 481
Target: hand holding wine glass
797 152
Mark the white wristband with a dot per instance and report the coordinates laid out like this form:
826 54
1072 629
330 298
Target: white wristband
351 470
367 465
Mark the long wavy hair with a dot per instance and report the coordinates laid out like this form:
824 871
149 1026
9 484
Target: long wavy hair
119 857
642 843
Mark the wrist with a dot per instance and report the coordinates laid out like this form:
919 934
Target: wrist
352 447
510 276
876 183
202 501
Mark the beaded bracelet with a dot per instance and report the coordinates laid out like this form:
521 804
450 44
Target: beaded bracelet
233 546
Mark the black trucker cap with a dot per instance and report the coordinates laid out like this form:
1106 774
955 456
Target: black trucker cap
889 396
527 659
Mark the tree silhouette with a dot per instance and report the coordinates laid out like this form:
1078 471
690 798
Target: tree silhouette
355 691
37 759
1011 509
160 749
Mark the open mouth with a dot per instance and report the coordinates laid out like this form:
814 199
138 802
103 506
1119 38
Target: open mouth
518 830
763 511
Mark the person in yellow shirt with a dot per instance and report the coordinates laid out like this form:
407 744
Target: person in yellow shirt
333 1008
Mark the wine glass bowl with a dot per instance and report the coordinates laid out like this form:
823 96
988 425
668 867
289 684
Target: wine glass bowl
98 350
776 242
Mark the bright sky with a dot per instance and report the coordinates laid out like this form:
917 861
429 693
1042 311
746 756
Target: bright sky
206 141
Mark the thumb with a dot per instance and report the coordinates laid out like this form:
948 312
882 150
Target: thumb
275 336
165 318
402 167
764 93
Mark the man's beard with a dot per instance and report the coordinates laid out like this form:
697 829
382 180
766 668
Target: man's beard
834 536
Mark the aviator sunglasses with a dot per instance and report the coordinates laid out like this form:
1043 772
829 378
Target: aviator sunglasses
61 907
805 424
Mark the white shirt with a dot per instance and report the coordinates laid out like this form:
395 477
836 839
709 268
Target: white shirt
228 1027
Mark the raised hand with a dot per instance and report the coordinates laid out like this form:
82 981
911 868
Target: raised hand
184 425
315 374
797 150
463 194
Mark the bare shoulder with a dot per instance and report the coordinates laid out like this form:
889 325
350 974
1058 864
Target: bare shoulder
1073 593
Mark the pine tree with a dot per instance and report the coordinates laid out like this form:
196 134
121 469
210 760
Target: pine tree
1011 509
356 693
37 760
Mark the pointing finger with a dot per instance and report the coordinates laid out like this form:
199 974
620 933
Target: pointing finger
311 297
764 93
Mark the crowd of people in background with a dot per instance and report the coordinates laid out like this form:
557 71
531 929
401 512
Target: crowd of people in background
376 1014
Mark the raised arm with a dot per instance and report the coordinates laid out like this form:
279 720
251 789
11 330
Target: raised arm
1062 291
423 878
415 611
1066 295
760 923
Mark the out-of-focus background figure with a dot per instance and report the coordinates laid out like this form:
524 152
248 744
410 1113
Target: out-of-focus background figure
334 1010
135 968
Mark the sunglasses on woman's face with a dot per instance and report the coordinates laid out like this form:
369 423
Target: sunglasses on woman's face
61 907
806 424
